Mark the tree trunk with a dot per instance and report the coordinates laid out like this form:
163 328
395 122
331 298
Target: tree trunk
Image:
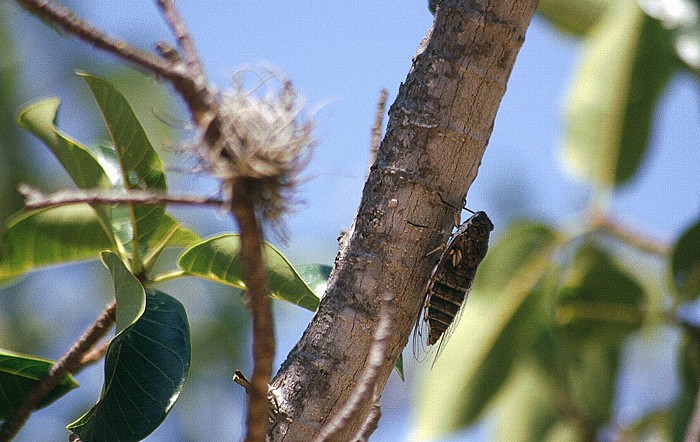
438 130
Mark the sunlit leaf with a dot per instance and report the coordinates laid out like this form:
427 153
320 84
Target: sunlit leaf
141 168
83 164
40 119
527 409
183 237
506 262
627 62
59 235
19 374
145 370
50 236
495 332
128 291
566 430
685 263
573 16
315 276
599 300
219 259
655 425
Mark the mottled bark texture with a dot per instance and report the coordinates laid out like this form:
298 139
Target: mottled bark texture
438 130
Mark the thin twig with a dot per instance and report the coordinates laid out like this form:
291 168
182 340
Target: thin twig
35 199
368 376
371 422
376 139
193 88
635 239
93 356
205 109
68 363
184 40
240 379
261 311
67 20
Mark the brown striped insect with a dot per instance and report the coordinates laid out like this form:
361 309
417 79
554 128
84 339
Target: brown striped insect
450 282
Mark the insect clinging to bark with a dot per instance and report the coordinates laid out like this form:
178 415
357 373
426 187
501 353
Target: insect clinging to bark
451 281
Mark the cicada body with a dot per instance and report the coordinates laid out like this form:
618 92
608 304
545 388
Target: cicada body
452 279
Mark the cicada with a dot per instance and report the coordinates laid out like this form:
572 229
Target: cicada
451 281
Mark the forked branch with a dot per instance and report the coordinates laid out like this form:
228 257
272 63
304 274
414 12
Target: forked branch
257 170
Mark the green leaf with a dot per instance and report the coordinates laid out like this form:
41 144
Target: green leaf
654 426
497 330
527 410
60 235
145 370
219 259
566 430
130 294
315 276
682 18
19 374
689 373
598 300
88 167
685 263
141 168
50 236
573 16
627 63
40 119
520 246
399 367
591 372
183 237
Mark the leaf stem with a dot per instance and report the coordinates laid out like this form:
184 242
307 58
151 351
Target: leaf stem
70 362
174 274
624 233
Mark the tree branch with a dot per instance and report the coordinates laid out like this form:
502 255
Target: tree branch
255 171
367 382
67 20
369 426
438 130
70 362
261 310
35 199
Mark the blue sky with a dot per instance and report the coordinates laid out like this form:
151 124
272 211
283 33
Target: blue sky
339 55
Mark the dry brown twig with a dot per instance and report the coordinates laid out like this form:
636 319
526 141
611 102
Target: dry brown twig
70 363
367 379
257 154
36 199
367 383
376 138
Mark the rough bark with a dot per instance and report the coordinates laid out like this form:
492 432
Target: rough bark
438 130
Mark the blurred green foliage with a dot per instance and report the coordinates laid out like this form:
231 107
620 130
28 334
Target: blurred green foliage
147 362
552 308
